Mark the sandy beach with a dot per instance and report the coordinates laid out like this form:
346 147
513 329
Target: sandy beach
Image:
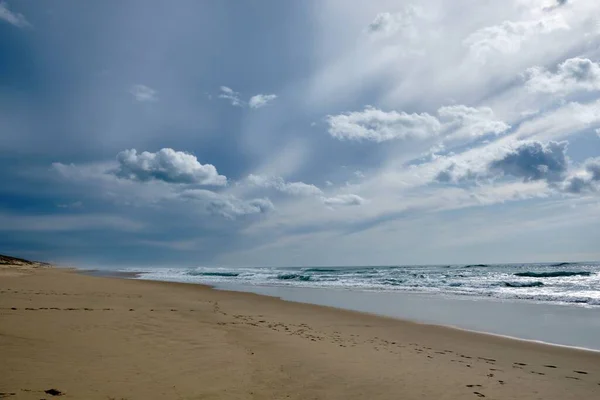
106 338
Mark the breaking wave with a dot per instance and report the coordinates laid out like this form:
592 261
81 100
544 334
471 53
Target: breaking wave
523 284
554 274
578 285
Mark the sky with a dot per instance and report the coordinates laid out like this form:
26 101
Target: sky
290 133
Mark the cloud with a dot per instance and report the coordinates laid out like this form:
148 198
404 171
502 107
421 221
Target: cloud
167 165
12 17
261 100
75 204
586 180
344 200
557 4
471 122
278 183
233 97
509 36
574 74
593 167
379 126
455 173
534 161
143 93
528 160
227 206
387 24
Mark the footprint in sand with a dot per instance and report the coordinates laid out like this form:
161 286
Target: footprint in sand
479 394
472 386
581 372
550 366
522 364
573 377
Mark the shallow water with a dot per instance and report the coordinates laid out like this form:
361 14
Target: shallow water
551 323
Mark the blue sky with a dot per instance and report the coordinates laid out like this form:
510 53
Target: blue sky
299 132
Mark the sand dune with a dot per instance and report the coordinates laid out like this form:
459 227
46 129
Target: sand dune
81 337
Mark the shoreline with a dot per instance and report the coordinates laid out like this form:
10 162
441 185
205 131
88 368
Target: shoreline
240 288
173 340
375 314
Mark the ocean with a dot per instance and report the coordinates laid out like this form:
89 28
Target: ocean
555 283
556 303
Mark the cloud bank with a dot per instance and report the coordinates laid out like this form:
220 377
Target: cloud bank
452 122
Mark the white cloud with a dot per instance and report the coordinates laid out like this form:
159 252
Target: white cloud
227 206
99 181
233 97
12 17
261 100
556 4
509 36
572 75
143 93
344 200
278 183
585 180
167 165
470 122
387 24
527 160
379 126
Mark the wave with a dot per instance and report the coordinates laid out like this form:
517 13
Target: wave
553 274
562 264
523 284
224 274
294 277
573 284
475 266
393 282
321 270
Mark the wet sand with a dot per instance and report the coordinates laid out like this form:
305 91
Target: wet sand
106 338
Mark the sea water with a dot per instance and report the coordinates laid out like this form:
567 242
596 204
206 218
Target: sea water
564 283
557 303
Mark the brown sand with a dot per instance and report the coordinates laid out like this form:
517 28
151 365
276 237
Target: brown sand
103 338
